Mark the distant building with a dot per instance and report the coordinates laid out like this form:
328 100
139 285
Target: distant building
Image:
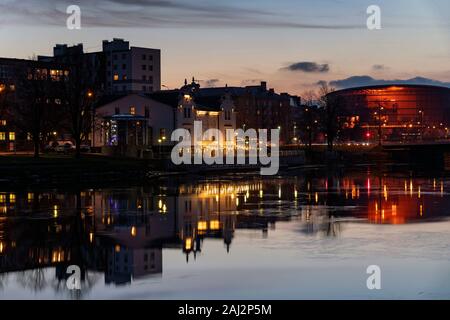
123 69
260 108
13 73
131 69
401 112
133 123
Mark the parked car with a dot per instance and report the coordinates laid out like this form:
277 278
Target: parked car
65 147
51 146
85 148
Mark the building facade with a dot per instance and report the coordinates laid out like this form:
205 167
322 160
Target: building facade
134 122
131 69
21 79
394 112
122 69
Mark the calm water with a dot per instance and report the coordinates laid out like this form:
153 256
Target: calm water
298 236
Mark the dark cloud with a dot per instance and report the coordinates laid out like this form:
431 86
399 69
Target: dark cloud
379 67
151 13
310 67
209 83
359 81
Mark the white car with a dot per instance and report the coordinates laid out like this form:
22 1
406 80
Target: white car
65 147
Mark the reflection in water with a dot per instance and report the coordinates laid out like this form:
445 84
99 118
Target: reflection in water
121 233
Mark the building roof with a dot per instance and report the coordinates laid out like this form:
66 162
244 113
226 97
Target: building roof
208 103
169 97
125 117
106 99
393 84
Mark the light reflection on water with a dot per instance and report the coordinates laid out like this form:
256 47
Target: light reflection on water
288 237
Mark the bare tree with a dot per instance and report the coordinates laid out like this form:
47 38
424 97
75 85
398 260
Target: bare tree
36 109
331 112
81 91
310 116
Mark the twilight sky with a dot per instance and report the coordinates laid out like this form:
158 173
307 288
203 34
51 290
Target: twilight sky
292 44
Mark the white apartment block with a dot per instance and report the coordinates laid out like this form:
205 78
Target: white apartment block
131 69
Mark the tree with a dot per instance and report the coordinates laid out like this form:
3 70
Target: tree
331 113
36 108
81 91
310 117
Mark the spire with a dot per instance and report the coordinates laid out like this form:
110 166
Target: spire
185 82
193 80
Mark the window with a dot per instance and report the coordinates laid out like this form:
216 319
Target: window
150 79
115 67
144 57
144 67
227 115
144 77
187 112
150 89
124 66
124 55
150 68
2 136
132 110
124 77
144 88
117 111
2 122
150 58
147 112
116 77
12 136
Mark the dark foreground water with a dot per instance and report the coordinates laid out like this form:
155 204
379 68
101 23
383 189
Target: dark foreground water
299 236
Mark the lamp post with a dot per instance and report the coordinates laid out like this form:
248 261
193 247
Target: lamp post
90 96
159 143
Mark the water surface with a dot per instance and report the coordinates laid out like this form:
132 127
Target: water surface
299 236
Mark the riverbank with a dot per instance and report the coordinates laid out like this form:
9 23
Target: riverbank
53 170
58 170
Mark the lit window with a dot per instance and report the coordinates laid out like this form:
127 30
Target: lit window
133 110
116 77
2 136
12 136
2 122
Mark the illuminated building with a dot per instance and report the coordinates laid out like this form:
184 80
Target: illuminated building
399 112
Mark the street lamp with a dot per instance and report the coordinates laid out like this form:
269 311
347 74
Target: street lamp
159 142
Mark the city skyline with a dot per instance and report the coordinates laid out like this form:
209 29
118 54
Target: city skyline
243 44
